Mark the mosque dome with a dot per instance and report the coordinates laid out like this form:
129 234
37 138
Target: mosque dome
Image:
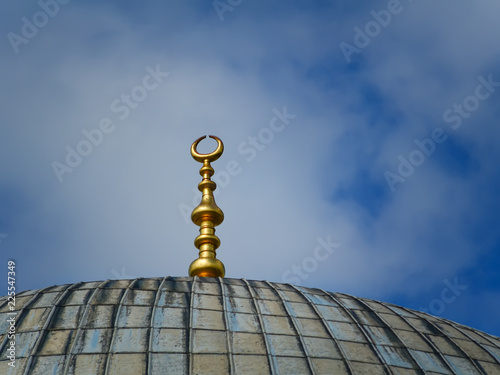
206 324
203 325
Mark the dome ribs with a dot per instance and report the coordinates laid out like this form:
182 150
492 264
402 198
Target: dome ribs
425 338
149 364
441 332
294 323
228 328
272 363
327 327
193 325
365 335
20 317
472 338
112 348
83 319
189 330
402 342
43 332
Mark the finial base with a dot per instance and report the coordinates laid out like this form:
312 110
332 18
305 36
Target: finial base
207 267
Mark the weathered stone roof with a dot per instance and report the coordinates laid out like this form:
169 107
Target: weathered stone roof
181 325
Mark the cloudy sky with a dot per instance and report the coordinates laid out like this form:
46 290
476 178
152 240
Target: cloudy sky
360 144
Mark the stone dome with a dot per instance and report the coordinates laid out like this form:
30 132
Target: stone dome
191 325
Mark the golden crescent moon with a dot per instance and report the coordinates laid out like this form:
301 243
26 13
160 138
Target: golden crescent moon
213 156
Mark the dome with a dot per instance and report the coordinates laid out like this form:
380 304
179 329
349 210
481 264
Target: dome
192 325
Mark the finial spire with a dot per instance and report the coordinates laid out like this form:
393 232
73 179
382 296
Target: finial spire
207 216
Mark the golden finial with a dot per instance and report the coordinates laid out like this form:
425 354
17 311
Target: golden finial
207 216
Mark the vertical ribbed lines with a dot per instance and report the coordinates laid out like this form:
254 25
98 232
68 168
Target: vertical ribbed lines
115 325
272 364
400 340
19 316
228 326
474 340
487 337
458 347
297 330
327 327
149 363
367 337
83 318
448 337
46 325
189 330
423 337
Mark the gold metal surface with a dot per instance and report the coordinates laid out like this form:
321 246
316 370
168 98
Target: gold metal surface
207 216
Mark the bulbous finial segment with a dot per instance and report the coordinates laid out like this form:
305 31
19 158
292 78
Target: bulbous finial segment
207 215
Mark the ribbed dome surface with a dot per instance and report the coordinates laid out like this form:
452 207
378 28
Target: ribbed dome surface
179 325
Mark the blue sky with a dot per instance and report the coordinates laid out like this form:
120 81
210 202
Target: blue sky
373 173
